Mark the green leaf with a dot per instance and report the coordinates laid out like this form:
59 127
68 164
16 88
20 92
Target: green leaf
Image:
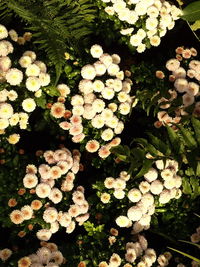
177 146
145 167
41 101
196 126
186 186
159 144
185 254
196 25
188 137
192 12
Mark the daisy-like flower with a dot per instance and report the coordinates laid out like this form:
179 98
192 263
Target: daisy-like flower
16 217
107 134
25 61
88 72
134 195
44 234
92 146
43 190
13 139
3 32
28 105
30 181
14 76
5 254
105 198
55 195
27 212
33 84
108 93
50 215
5 64
58 110
24 262
32 70
36 204
104 152
96 51
6 110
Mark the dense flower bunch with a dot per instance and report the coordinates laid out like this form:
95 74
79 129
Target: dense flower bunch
183 97
142 22
101 107
59 170
20 85
46 256
137 253
161 184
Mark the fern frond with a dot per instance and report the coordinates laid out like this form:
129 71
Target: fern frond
57 25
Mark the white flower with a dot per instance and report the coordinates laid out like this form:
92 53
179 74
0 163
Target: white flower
96 51
141 8
172 64
151 175
165 196
6 111
13 139
151 23
181 85
153 12
113 122
27 212
33 84
159 164
50 215
100 68
105 198
109 10
107 134
193 88
134 213
97 122
12 95
116 58
135 40
55 195
31 54
119 5
5 64
44 234
28 105
14 119
43 190
108 93
25 61
44 79
124 108
77 100
13 35
156 187
144 187
141 48
119 193
134 195
14 76
98 86
41 65
3 32
98 105
113 69
155 40
132 17
106 59
122 221
88 72
119 128
122 97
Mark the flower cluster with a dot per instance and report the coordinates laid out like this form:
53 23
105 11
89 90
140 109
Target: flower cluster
60 169
142 22
184 74
135 252
46 256
26 79
99 110
161 183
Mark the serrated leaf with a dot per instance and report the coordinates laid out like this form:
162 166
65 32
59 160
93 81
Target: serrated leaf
159 144
177 146
190 142
192 12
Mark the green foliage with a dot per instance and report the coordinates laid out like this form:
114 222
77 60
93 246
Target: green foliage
96 232
186 255
192 12
58 25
